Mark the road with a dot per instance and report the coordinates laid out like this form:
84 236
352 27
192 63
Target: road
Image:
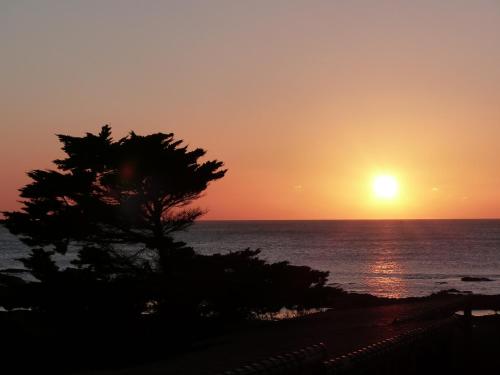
341 331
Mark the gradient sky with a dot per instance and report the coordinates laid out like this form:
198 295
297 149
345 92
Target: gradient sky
305 101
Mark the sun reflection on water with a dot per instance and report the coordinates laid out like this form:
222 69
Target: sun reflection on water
386 280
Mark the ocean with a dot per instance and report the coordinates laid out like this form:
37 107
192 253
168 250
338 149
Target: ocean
393 258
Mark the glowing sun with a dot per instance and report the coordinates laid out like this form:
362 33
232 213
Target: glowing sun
385 186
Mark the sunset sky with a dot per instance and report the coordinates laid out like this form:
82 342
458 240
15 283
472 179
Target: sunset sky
306 102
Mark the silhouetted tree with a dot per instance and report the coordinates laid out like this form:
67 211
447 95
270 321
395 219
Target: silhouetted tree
104 193
134 190
116 204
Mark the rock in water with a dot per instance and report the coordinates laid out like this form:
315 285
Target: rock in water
470 278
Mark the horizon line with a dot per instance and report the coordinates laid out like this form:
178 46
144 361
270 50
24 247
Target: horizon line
395 219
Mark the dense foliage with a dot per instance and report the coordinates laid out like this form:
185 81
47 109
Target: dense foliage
116 205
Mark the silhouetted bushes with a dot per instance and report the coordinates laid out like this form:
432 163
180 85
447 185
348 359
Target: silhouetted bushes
240 284
233 286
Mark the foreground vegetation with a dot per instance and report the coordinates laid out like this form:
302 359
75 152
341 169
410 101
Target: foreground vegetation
117 203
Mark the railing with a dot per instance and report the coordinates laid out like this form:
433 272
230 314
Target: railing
308 360
411 352
415 351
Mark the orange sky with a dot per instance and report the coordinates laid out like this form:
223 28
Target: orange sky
305 101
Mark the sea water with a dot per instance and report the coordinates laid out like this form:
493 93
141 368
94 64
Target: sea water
395 258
